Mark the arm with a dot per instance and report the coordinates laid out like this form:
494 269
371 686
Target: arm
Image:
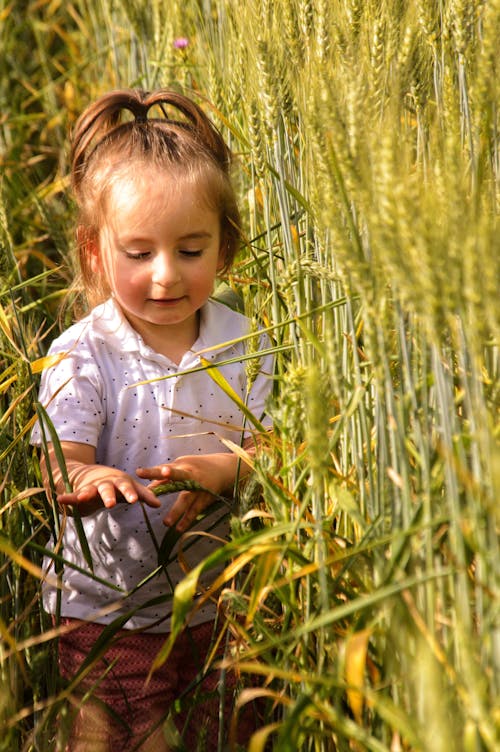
215 472
94 486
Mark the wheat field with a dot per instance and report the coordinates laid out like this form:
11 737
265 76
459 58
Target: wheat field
361 590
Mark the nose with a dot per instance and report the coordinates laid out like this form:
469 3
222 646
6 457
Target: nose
165 271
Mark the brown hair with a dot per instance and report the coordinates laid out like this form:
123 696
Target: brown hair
188 144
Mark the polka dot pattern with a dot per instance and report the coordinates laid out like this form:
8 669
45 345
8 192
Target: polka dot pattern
137 408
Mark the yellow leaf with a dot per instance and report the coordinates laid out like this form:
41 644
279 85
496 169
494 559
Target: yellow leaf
265 567
59 185
13 405
6 384
6 11
11 553
260 737
238 451
219 379
5 324
38 365
355 665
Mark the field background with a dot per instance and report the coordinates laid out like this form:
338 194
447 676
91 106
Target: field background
365 586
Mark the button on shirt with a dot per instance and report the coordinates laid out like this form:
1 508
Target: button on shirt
138 408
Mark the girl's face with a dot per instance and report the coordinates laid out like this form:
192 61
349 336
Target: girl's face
160 250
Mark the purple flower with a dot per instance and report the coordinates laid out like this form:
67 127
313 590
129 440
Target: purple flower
181 43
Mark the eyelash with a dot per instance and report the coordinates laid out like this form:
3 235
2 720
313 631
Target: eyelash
145 254
137 256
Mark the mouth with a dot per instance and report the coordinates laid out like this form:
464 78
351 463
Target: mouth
166 301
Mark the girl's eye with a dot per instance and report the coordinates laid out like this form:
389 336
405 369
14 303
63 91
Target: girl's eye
137 255
188 253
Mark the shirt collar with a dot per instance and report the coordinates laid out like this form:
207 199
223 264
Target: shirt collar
219 326
110 323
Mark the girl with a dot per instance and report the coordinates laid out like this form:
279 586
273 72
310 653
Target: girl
134 406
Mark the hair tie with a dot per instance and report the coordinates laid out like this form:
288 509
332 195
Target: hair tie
141 118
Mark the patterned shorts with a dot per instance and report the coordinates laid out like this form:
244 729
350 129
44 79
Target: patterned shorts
117 711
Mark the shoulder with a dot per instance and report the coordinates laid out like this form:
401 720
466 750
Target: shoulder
102 324
228 334
221 321
78 351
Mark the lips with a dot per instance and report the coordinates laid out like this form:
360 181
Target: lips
166 301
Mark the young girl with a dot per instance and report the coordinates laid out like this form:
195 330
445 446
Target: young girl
134 406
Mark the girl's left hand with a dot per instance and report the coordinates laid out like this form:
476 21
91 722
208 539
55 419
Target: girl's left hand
215 472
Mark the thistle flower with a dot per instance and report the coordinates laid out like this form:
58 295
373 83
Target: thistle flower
180 43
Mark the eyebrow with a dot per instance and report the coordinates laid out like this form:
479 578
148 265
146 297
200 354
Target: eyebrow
197 235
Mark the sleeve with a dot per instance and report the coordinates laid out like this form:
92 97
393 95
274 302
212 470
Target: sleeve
71 393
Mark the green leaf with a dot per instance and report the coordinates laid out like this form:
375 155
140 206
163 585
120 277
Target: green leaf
59 454
219 379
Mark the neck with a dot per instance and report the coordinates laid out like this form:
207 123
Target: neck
173 340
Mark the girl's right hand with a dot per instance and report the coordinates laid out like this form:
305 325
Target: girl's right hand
107 485
94 485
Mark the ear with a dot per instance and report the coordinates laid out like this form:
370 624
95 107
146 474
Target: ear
88 247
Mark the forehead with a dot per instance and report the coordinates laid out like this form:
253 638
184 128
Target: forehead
153 202
150 188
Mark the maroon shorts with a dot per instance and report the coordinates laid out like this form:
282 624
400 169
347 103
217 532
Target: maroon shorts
121 712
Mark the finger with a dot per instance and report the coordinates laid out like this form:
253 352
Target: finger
186 509
163 472
68 498
127 491
159 472
87 493
177 514
149 498
201 502
107 492
176 473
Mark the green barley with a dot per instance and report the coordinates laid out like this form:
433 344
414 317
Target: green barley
367 134
267 85
256 139
322 35
305 17
354 11
377 65
293 39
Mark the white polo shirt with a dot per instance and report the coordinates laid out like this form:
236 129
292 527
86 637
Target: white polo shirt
94 396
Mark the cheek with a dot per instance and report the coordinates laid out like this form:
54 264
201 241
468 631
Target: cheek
204 280
128 279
